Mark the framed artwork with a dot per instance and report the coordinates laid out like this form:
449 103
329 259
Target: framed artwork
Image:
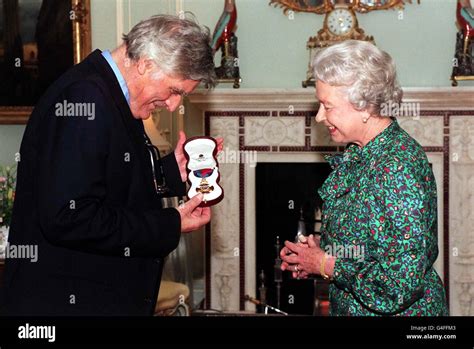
39 41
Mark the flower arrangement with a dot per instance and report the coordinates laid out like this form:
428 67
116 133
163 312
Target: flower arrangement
7 193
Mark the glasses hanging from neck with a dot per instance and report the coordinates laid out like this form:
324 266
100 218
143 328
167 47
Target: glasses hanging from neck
155 158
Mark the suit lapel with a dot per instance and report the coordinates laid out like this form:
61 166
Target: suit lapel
134 126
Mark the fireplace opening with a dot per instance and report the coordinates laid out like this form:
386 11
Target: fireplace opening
286 201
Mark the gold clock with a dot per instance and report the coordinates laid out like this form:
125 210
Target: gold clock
340 22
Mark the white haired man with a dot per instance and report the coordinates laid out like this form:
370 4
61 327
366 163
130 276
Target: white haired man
87 191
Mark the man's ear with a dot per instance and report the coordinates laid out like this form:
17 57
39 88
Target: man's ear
145 66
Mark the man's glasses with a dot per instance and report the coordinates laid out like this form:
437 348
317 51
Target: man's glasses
155 158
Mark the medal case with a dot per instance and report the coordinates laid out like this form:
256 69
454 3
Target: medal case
203 170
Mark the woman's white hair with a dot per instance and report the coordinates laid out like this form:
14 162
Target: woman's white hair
178 46
368 73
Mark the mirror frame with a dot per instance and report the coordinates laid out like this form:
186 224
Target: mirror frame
292 5
327 6
360 7
81 43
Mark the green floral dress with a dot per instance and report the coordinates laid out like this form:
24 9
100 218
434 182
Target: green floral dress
380 222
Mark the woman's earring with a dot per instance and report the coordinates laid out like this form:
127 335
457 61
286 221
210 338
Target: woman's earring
364 120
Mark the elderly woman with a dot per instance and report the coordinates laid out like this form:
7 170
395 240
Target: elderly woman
379 232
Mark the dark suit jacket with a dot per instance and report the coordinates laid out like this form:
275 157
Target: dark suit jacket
85 197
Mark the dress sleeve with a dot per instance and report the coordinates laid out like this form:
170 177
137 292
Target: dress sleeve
402 209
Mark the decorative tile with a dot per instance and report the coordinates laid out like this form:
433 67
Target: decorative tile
275 131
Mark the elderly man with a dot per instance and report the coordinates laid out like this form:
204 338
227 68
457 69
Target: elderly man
90 182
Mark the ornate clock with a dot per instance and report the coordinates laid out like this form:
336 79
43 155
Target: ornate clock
340 22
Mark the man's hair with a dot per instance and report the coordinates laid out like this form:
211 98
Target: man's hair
179 47
368 73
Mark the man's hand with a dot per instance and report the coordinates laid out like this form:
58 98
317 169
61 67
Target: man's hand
192 216
181 158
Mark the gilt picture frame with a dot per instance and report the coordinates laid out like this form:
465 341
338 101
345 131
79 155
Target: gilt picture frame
39 41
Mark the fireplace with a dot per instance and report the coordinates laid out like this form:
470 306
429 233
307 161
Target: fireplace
278 126
286 199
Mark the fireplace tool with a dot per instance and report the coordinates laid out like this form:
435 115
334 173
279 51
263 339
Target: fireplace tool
301 232
266 306
277 273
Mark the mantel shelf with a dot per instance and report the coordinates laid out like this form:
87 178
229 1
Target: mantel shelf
452 98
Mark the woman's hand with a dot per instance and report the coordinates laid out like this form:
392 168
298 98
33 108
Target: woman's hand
285 251
302 259
303 243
